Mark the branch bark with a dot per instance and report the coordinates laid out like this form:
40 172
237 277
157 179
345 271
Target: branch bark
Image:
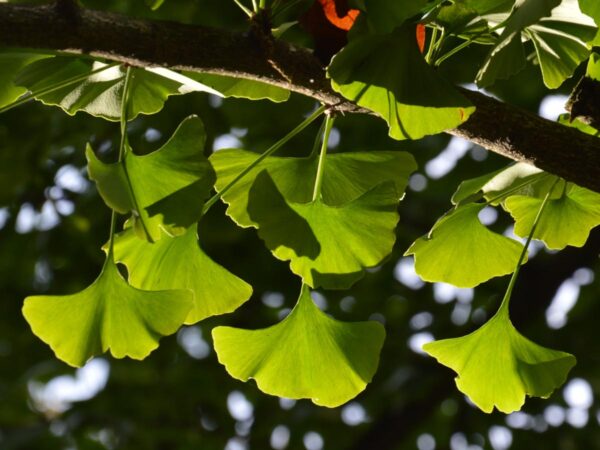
499 127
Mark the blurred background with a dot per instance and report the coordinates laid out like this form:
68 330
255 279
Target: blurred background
53 223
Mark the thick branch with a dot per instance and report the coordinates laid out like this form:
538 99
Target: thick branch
499 127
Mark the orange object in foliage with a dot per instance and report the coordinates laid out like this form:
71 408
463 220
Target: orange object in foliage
338 13
421 37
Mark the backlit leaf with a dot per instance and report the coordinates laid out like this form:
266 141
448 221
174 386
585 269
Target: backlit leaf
346 176
498 367
327 246
307 355
565 221
107 315
11 63
165 189
101 94
241 88
180 263
461 251
388 75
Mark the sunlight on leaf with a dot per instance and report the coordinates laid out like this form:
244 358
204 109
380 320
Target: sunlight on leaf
461 251
388 75
307 355
107 315
498 367
241 88
165 189
101 94
347 176
507 57
180 263
566 220
11 63
327 246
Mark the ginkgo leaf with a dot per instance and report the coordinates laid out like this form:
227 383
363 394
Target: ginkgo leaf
327 246
384 16
180 263
565 221
11 63
241 88
307 355
101 94
388 75
107 315
346 176
591 8
461 251
498 367
560 42
507 57
164 189
519 178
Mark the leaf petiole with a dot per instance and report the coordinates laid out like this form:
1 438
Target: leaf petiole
306 122
503 310
244 8
329 119
122 149
55 87
515 189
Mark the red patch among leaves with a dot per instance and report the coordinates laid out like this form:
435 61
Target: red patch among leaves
421 34
338 13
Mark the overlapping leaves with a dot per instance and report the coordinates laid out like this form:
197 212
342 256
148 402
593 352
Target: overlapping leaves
164 190
388 75
307 355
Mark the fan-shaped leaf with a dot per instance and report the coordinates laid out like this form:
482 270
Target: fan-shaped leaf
461 251
388 75
498 367
180 263
307 355
241 88
164 189
346 176
565 221
507 57
101 94
327 246
11 63
107 315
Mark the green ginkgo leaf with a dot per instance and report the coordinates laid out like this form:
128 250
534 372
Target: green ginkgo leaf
461 251
165 189
346 176
383 15
180 263
561 42
107 315
519 178
498 367
241 88
566 220
388 75
591 8
11 63
307 355
328 246
101 94
507 57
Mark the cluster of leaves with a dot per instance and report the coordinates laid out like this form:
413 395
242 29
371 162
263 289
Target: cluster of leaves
330 216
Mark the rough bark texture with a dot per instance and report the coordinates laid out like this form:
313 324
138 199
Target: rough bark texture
497 126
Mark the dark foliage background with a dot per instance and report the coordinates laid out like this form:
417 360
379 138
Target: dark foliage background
180 397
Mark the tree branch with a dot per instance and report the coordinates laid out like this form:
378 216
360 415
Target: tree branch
497 126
